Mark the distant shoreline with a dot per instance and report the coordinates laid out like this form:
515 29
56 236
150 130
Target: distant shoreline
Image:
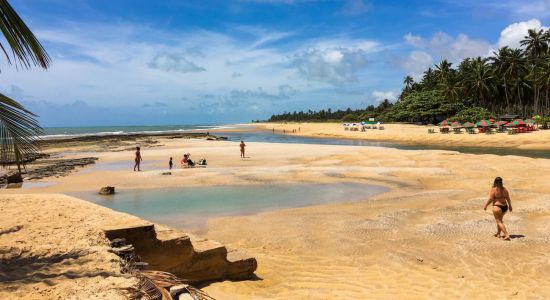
410 134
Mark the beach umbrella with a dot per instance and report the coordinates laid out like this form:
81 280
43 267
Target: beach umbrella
516 122
501 123
492 120
444 123
484 123
455 124
468 125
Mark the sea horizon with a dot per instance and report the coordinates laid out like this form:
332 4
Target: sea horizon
70 131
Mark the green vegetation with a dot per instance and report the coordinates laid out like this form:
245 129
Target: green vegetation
511 81
19 128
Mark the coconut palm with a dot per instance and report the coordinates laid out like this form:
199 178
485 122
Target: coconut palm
536 44
408 81
19 128
479 80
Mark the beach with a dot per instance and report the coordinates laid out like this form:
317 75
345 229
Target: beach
427 236
416 135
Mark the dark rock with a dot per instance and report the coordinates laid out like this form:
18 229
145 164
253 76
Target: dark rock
16 185
14 178
107 190
166 173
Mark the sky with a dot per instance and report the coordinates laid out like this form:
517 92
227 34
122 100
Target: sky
135 62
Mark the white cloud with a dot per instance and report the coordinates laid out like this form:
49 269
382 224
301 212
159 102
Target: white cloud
356 7
380 96
334 65
416 63
444 46
171 62
414 40
515 32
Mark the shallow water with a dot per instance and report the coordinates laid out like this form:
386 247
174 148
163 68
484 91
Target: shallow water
269 137
191 207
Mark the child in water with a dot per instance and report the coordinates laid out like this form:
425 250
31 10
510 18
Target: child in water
170 163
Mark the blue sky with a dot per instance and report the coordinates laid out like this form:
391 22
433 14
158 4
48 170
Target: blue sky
122 62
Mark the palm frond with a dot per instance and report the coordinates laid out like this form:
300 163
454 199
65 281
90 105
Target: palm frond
25 47
19 132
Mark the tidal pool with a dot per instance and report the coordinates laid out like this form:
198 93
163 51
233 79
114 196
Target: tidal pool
191 207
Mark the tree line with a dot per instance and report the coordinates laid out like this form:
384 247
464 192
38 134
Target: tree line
510 81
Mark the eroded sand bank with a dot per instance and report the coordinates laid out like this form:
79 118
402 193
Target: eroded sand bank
429 236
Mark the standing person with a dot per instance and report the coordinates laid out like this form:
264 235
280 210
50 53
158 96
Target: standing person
242 145
500 199
138 159
170 164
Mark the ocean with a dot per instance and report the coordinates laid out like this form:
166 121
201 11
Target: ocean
51 132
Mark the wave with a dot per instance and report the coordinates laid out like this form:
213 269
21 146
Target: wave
165 129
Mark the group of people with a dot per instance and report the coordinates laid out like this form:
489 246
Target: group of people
185 161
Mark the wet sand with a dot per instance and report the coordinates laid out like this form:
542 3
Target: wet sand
427 237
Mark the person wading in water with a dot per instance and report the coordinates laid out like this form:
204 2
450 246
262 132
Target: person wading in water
500 199
137 160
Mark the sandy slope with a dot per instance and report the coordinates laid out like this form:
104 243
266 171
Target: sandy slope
52 247
429 237
415 134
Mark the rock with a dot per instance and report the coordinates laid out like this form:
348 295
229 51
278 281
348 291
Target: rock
107 190
185 296
420 259
17 185
176 290
14 178
166 173
119 242
210 138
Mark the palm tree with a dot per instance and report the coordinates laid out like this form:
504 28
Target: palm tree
536 44
501 62
408 81
19 128
479 81
543 80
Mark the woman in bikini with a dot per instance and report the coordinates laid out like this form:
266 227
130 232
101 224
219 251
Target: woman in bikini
500 199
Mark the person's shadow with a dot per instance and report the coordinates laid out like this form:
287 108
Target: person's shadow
516 236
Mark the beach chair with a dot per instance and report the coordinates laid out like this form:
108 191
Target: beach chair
501 129
381 127
489 130
457 130
470 130
431 130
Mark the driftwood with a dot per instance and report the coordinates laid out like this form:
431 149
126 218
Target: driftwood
153 285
